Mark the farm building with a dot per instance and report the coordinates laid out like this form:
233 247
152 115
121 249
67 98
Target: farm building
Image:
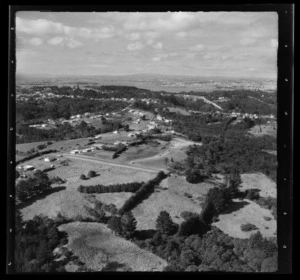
159 117
73 152
49 159
116 132
28 167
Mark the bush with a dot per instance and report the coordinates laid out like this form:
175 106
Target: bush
194 176
83 177
252 194
91 174
248 227
114 223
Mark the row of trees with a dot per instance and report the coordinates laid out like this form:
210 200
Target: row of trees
126 187
144 191
31 156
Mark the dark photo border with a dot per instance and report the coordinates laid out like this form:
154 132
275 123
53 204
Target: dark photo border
285 119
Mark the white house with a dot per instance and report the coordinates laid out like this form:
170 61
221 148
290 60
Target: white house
28 167
159 117
116 132
74 152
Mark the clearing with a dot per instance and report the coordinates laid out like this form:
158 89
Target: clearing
174 195
250 212
259 181
266 129
96 246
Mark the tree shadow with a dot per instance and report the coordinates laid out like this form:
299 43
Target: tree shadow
144 234
40 196
235 206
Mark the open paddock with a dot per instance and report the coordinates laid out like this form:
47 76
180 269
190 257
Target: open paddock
96 246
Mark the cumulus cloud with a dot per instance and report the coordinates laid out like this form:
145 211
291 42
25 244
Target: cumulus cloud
133 36
43 27
65 41
274 43
156 58
158 46
198 47
35 41
135 46
160 21
248 41
56 41
181 34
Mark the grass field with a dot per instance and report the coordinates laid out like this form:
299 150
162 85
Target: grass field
171 198
179 110
250 213
259 181
96 246
266 129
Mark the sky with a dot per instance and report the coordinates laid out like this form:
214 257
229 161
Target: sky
231 44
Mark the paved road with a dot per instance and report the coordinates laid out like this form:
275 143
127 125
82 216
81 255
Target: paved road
107 162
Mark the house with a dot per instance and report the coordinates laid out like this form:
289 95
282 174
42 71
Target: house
116 132
159 117
49 159
98 136
28 167
131 134
74 152
117 143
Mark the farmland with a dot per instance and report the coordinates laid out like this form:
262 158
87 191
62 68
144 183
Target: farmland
142 145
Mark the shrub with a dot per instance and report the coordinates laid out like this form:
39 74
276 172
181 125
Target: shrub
193 176
114 223
248 227
91 174
252 194
267 218
192 225
83 177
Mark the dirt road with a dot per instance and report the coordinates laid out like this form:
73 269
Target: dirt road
100 161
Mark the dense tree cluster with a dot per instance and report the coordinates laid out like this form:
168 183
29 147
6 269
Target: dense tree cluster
212 250
64 108
28 188
35 241
225 155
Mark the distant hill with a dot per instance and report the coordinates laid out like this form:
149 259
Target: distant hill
171 83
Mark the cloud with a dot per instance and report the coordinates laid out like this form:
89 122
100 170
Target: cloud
71 43
56 41
65 41
43 27
35 41
274 43
158 46
174 21
181 34
248 41
198 47
156 58
133 36
135 46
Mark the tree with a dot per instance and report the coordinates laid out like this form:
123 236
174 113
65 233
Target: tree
128 224
83 177
164 223
91 174
192 225
193 176
114 223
